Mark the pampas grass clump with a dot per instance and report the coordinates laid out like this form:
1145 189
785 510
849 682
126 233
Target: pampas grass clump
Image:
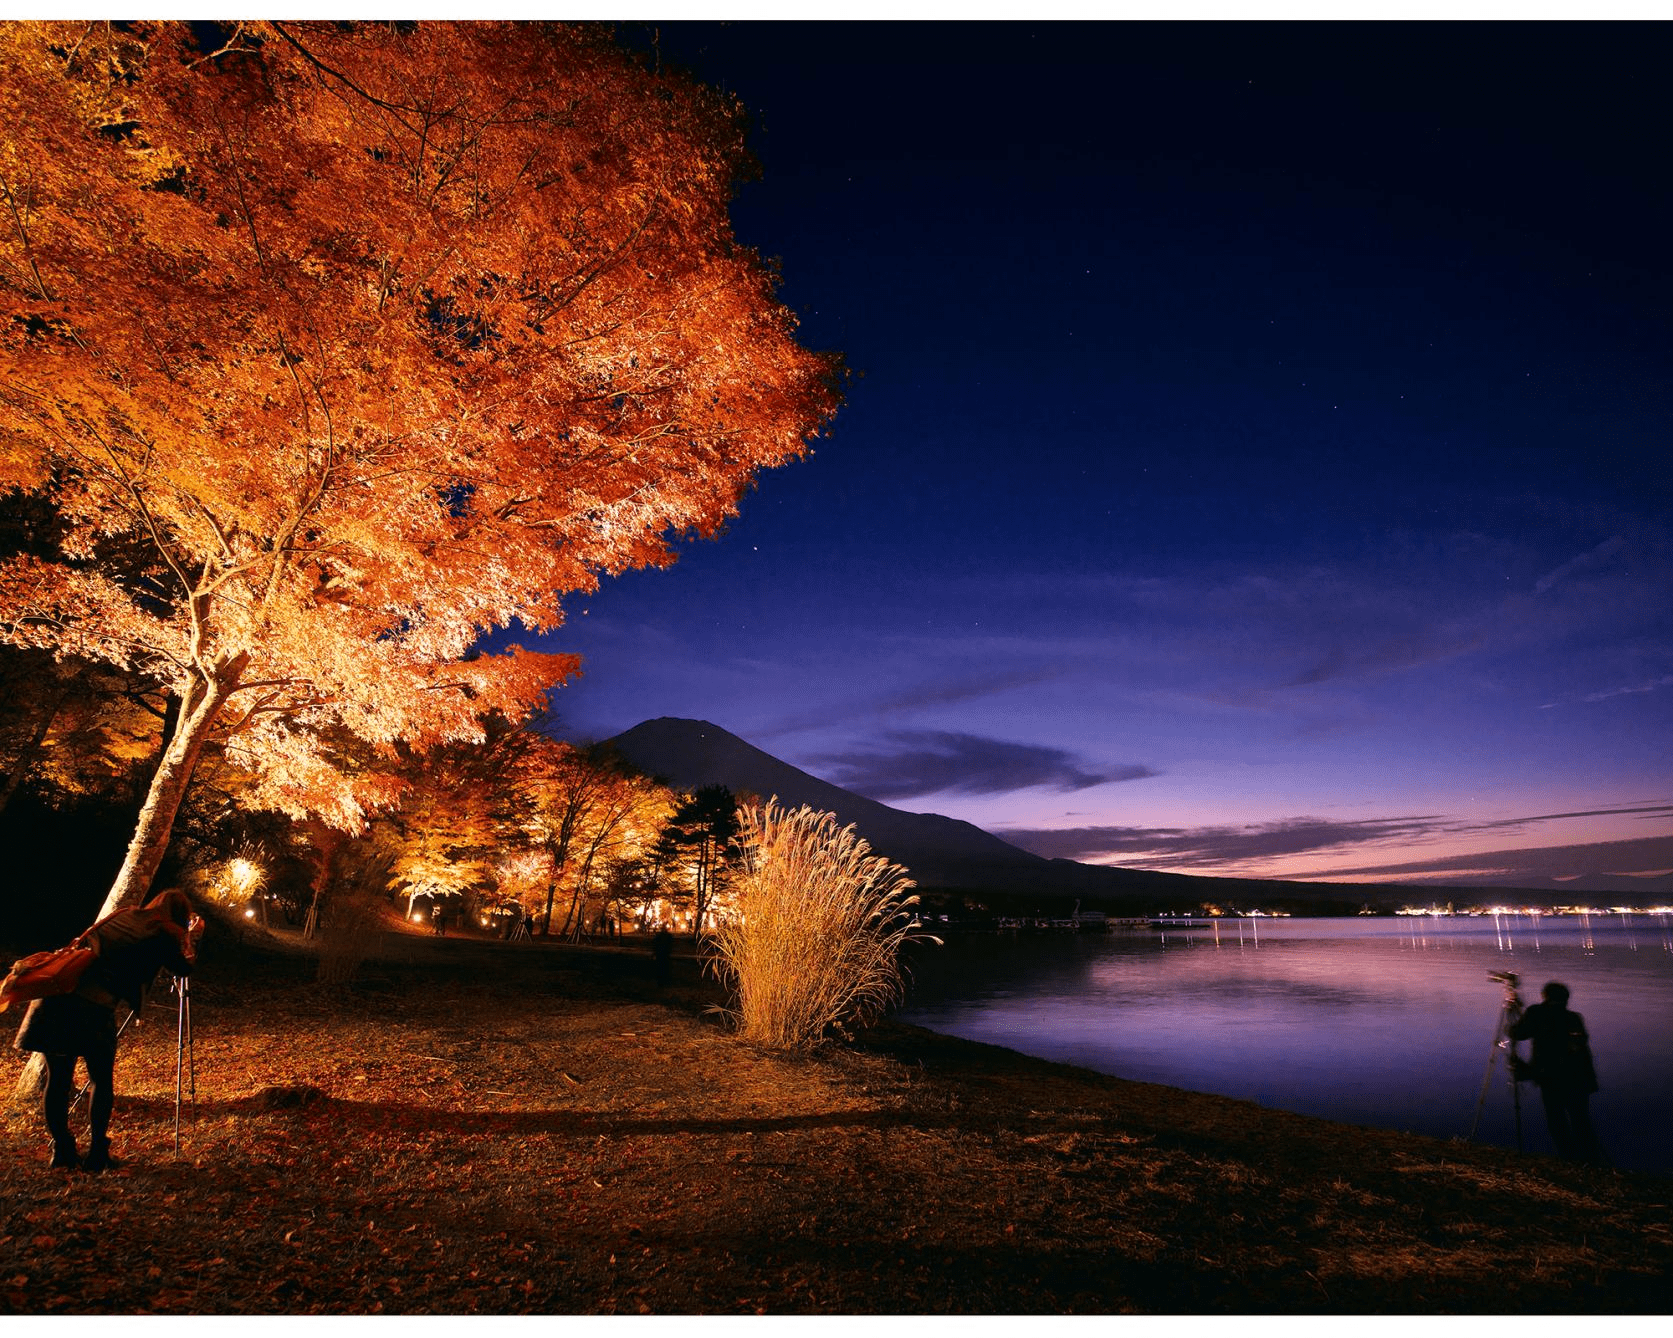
812 936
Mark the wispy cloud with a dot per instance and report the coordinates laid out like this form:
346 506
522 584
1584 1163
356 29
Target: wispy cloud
1655 684
926 694
1191 847
1637 810
1387 655
1628 690
1213 847
919 762
1642 857
1590 558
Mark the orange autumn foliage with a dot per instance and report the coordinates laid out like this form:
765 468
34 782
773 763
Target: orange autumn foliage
366 339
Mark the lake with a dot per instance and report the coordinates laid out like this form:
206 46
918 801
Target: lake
1382 1021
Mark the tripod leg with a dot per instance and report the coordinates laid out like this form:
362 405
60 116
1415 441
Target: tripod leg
179 1050
191 1053
1515 1095
1487 1077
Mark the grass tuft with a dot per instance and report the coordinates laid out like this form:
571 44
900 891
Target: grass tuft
811 939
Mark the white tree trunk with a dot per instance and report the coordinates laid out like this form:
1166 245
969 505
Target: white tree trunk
168 786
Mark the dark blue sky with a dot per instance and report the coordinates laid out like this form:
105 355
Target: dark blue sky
1258 454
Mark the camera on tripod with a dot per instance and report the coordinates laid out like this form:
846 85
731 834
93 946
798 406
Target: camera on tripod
1516 1071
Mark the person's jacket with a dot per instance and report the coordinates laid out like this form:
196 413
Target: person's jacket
132 946
1562 1055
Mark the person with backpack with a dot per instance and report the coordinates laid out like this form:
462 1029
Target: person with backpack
131 946
1561 1067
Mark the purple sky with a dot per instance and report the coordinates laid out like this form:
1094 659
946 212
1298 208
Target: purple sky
1261 459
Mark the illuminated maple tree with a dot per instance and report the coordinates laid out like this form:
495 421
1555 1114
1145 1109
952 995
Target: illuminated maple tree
568 805
69 727
448 827
334 347
627 814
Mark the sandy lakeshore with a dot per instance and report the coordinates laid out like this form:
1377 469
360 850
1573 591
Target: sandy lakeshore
484 1128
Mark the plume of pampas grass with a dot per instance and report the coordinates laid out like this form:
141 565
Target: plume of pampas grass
811 938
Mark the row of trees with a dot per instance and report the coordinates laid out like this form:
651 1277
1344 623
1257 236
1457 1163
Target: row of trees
329 351
806 924
569 835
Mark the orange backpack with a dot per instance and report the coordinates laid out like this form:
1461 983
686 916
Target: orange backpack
44 974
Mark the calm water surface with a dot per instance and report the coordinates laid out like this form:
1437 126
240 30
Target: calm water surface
1383 1021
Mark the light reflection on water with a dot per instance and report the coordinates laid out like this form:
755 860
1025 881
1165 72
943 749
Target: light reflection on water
1384 1021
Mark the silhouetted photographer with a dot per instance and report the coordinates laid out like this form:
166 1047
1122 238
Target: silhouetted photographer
131 946
1561 1067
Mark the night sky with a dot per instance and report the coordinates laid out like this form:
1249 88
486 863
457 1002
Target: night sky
1258 459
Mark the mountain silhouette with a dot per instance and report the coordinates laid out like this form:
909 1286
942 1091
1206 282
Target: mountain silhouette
945 853
939 851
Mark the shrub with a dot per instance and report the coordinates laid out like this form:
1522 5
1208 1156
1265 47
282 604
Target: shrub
810 938
349 939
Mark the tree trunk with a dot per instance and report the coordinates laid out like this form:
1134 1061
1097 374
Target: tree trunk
701 890
326 843
168 787
578 906
571 922
560 861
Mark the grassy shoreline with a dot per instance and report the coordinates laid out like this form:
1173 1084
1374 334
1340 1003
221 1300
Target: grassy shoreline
494 1129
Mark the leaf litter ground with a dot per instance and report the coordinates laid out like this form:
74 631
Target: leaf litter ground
506 1129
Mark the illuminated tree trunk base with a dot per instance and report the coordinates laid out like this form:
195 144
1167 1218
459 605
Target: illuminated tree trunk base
30 1083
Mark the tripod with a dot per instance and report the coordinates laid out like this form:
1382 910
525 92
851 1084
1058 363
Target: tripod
185 1059
1509 1010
